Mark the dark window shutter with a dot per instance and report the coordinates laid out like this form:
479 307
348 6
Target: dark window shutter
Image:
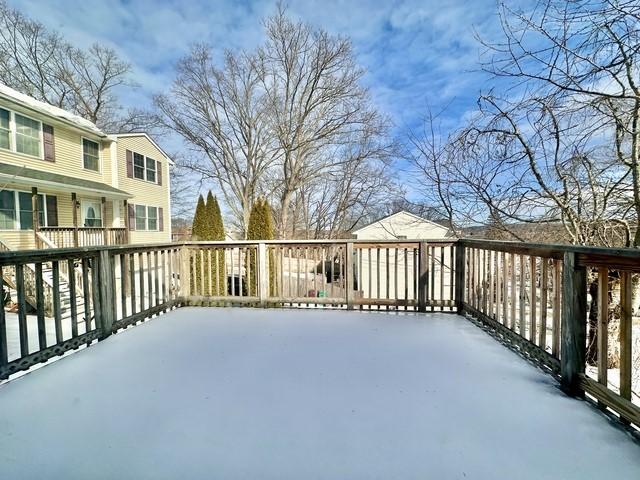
129 164
132 217
52 211
49 144
159 172
161 219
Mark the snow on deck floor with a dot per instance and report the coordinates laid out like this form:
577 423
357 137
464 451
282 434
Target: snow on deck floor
288 394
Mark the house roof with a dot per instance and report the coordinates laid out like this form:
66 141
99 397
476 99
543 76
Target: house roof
31 177
401 212
50 111
148 137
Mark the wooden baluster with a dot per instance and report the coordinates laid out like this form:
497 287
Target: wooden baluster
241 253
498 265
603 325
132 282
57 314
73 301
513 260
42 332
544 301
533 300
156 277
123 285
522 330
490 279
141 278
441 275
378 293
557 309
4 350
626 332
86 290
22 311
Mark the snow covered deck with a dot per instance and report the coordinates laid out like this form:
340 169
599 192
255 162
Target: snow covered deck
302 394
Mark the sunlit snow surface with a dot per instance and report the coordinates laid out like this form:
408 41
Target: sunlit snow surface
205 393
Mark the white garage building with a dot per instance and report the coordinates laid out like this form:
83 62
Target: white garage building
392 272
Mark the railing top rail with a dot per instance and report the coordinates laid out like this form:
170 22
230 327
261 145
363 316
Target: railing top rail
586 255
79 228
343 241
615 258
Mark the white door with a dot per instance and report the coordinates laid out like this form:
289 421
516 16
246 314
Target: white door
91 213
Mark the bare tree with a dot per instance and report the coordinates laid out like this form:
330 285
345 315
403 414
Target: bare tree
560 144
341 198
577 62
42 64
221 114
317 103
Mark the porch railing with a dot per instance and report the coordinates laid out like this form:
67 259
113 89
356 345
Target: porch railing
68 237
541 299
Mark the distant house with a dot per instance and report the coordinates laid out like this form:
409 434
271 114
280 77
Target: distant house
402 225
391 273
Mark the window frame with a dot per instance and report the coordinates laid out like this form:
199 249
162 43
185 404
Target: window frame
145 169
82 139
147 209
146 226
144 166
8 130
149 229
17 210
13 134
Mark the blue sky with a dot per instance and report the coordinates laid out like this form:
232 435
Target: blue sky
416 52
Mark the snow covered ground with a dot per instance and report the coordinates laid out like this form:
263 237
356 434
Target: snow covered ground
283 394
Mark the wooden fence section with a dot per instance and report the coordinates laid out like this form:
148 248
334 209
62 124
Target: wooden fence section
67 237
556 304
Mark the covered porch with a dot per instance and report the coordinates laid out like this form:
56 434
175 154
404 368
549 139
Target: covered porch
47 210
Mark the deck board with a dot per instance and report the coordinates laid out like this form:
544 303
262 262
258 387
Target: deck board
292 394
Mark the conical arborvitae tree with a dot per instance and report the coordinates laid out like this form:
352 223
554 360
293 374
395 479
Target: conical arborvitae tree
260 228
198 232
215 231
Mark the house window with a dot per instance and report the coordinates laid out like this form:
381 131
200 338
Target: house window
25 211
144 168
91 213
7 210
5 129
152 218
16 211
151 170
138 166
91 155
27 135
141 217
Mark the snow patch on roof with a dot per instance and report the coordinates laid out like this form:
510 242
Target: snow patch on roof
49 110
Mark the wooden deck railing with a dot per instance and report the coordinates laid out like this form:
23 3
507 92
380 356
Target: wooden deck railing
68 237
534 297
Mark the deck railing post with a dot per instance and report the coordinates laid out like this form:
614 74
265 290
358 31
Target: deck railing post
348 273
460 276
74 203
263 274
185 274
423 276
106 294
574 324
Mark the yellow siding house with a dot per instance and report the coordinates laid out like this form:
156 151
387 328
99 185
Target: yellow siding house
64 182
